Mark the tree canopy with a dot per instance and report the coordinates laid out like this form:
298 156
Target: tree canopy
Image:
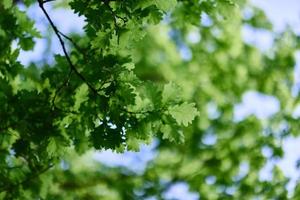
170 71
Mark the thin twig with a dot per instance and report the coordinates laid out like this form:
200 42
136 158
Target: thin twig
56 31
72 41
65 83
45 1
106 2
115 17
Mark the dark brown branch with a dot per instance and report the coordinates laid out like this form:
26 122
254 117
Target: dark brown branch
78 48
56 31
45 1
115 17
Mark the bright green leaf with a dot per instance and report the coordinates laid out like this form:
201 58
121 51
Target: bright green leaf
184 113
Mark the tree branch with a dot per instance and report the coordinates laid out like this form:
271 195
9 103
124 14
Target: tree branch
65 83
58 34
72 42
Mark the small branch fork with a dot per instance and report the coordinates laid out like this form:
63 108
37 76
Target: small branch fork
72 66
115 16
72 42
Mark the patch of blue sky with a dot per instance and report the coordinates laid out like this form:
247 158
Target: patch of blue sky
135 161
180 191
281 13
260 38
65 20
258 104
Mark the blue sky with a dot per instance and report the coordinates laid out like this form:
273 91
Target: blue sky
281 12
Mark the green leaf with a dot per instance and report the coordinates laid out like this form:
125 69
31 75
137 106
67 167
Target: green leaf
165 5
27 43
80 96
133 144
101 40
52 147
129 66
170 92
184 113
155 16
106 137
172 134
7 4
